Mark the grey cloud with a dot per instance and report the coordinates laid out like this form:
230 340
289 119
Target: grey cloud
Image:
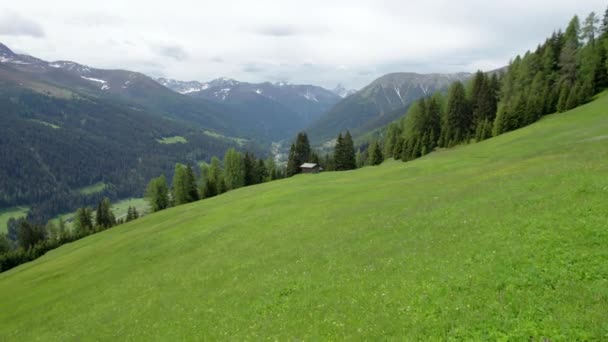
95 19
252 68
172 51
13 24
277 31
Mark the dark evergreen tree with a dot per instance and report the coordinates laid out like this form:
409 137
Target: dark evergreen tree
604 27
292 164
104 218
129 214
83 221
375 156
299 154
191 189
458 123
5 244
349 161
339 152
344 153
250 169
30 234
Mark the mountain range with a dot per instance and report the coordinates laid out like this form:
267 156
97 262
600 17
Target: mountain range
381 102
71 126
300 104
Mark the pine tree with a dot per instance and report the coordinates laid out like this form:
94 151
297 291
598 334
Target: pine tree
191 188
83 222
563 97
157 194
375 156
271 169
104 218
344 153
129 214
590 28
5 244
292 164
458 118
179 193
350 162
299 154
62 228
234 170
339 153
262 172
203 179
30 234
604 27
567 59
250 169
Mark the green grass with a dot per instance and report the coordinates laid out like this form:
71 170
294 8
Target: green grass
501 240
172 140
119 209
93 189
7 213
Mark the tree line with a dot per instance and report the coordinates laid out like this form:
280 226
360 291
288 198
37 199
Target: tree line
344 157
27 240
235 171
566 71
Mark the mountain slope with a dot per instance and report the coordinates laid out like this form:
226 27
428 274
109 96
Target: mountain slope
265 120
503 239
55 140
285 107
378 104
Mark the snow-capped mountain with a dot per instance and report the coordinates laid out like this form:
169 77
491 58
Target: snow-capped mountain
379 103
307 102
341 91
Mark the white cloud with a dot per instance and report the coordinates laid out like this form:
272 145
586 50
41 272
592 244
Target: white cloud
315 41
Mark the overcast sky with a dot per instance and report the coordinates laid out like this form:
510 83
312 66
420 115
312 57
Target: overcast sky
320 42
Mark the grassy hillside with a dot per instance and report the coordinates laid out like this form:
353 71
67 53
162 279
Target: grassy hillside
505 238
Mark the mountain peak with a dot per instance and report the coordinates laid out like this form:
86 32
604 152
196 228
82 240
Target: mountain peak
341 91
5 51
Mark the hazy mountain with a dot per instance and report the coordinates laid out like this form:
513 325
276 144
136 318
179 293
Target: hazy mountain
379 103
341 91
301 104
265 112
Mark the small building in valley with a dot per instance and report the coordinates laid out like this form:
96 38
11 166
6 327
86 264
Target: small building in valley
311 168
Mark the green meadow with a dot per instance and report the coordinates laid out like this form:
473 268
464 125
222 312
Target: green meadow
93 189
500 240
172 140
7 213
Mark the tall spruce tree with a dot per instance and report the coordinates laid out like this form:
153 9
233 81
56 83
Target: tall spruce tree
604 26
375 155
157 194
458 123
299 154
339 152
178 193
104 218
83 221
349 160
191 188
292 164
590 28
30 234
234 171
